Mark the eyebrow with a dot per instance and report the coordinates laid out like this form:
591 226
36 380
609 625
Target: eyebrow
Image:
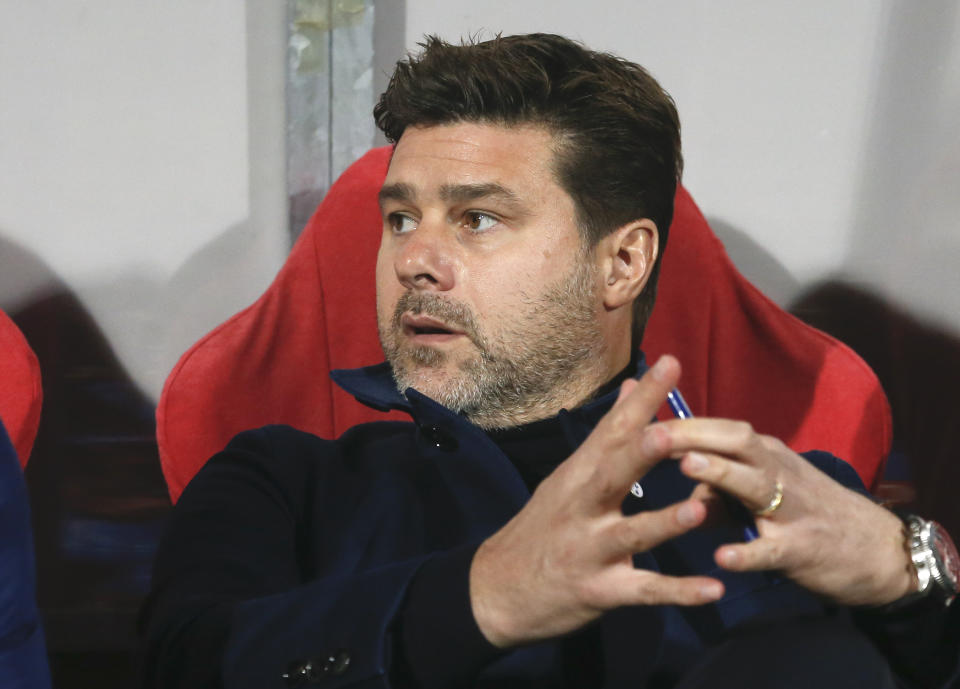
451 193
396 192
460 193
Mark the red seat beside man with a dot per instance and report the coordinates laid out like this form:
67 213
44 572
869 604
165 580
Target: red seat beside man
743 357
21 394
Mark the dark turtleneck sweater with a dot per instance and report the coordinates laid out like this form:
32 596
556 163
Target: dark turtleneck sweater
537 448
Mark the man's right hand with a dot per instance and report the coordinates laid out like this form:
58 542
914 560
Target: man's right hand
566 557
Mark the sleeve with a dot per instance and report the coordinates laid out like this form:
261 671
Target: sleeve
440 644
921 641
231 604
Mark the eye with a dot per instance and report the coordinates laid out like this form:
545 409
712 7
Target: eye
400 223
478 221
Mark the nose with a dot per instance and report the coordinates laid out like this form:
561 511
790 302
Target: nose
425 259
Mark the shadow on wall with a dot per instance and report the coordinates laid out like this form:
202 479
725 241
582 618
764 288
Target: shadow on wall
919 368
757 264
219 279
904 237
97 494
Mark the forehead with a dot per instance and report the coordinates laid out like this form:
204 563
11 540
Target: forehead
517 157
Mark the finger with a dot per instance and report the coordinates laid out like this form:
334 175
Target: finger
625 388
715 503
735 439
647 530
752 486
643 587
622 451
763 554
642 398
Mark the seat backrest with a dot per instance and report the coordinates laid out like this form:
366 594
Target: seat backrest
743 357
21 394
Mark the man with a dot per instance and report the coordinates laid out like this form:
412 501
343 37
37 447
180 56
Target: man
492 542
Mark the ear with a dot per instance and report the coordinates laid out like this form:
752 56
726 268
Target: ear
626 258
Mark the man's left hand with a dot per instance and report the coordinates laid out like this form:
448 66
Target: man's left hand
825 537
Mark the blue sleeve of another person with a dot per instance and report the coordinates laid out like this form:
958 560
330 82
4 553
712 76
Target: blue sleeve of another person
23 656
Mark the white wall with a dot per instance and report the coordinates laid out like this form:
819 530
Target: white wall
142 165
820 137
142 149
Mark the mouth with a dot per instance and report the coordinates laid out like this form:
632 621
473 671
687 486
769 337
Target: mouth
426 330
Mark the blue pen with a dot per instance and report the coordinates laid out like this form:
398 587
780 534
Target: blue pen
679 407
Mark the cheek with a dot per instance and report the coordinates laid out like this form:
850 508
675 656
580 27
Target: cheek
497 288
387 285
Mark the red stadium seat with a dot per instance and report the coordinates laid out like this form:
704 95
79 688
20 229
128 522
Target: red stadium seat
743 356
21 394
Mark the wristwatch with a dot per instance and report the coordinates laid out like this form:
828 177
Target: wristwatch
935 558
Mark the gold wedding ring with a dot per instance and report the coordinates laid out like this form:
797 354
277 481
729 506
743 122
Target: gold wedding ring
775 501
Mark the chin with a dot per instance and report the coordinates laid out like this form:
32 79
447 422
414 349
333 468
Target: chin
446 385
430 379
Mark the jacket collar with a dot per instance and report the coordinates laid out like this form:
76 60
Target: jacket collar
488 487
374 386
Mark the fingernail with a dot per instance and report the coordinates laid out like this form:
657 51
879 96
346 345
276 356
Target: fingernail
688 514
711 591
696 462
730 557
659 369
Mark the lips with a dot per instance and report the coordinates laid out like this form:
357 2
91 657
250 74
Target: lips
423 327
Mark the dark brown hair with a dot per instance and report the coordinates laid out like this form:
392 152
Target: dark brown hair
618 130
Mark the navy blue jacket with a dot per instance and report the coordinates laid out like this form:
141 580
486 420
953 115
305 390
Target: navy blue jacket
23 656
289 557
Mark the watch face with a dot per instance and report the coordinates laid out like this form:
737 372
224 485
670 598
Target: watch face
947 551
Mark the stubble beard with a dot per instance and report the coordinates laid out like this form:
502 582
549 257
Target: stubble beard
525 371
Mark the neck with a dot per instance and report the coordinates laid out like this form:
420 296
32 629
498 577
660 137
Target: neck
592 375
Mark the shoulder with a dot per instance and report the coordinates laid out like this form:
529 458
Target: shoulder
835 468
286 463
292 448
286 440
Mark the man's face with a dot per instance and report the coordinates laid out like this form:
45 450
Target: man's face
487 300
